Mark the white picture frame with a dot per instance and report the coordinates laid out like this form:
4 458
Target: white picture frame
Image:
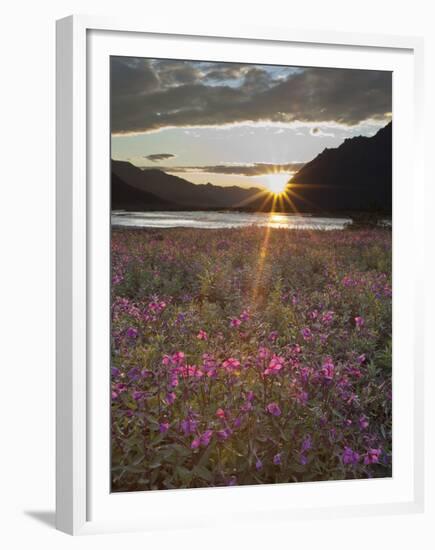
82 502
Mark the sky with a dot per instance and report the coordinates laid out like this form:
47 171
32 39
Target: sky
238 124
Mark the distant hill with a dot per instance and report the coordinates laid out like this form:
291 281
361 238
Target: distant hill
177 190
357 175
127 197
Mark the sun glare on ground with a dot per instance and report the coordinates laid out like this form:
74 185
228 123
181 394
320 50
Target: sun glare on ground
277 183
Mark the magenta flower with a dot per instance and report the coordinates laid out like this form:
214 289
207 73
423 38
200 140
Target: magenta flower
258 465
170 398
327 317
246 407
204 439
273 409
164 427
137 395
195 443
306 444
306 333
277 459
313 314
302 397
275 365
188 426
202 335
361 359
327 369
237 422
132 332
231 364
263 353
349 456
224 434
220 413
235 323
372 456
249 395
273 336
359 322
244 316
178 357
363 422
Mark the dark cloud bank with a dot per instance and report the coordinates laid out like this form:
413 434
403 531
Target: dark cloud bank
148 95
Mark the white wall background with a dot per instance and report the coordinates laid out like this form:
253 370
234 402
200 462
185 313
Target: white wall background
27 116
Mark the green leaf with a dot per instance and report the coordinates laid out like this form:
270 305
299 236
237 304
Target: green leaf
203 473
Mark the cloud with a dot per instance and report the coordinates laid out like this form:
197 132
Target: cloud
149 95
318 132
257 169
157 157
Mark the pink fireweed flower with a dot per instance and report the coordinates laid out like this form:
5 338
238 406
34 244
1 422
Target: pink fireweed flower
327 370
246 407
220 413
178 357
204 439
327 317
302 397
306 334
273 409
164 427
237 422
137 395
132 332
231 364
249 395
361 359
190 371
372 456
188 426
235 323
313 314
166 360
202 335
173 382
244 316
275 365
258 465
273 336
359 322
223 435
306 444
263 353
363 422
349 456
195 443
170 398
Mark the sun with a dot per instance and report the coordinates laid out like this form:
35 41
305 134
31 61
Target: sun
277 183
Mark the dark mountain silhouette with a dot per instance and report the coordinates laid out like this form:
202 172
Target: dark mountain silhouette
127 197
357 175
177 190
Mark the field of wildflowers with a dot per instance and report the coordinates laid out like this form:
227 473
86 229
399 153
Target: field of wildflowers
248 356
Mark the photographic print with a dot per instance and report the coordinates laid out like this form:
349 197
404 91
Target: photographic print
251 274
